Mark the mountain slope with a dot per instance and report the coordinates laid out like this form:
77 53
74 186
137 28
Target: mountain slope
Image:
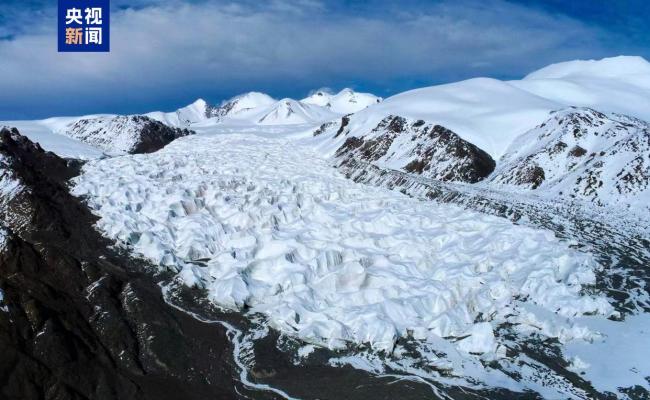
490 113
411 146
486 112
617 84
44 133
124 134
78 320
583 153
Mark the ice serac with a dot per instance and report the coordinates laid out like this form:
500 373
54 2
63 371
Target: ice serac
266 225
413 146
583 153
345 102
124 133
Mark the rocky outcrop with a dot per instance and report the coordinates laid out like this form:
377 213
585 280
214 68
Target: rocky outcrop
416 147
585 154
126 134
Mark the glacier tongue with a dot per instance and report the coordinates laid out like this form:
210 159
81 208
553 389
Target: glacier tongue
266 223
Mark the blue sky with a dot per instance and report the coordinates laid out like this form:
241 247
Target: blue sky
165 54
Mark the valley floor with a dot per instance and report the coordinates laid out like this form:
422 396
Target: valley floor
258 222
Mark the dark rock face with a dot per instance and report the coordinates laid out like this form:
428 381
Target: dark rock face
155 135
424 149
83 321
131 134
577 151
345 121
323 128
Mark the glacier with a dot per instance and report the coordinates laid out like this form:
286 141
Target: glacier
266 225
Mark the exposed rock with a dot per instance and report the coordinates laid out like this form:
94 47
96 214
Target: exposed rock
344 123
577 151
532 175
416 147
128 134
79 320
583 153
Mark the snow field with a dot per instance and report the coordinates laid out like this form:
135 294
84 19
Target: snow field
266 224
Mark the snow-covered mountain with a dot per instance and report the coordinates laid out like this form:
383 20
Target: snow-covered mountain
283 112
491 113
253 108
289 111
580 152
412 146
347 101
124 133
238 104
194 113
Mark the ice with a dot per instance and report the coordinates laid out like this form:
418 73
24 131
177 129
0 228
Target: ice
265 222
480 340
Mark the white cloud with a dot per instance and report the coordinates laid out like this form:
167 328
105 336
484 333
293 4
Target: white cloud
158 52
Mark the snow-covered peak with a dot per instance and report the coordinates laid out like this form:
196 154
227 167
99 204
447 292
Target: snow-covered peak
185 116
346 101
289 111
605 68
320 97
195 111
583 153
242 102
198 104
